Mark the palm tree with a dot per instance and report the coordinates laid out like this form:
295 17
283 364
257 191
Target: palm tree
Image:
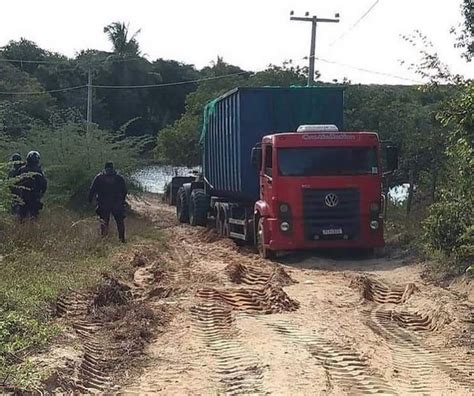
118 34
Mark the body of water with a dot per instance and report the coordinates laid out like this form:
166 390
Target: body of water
154 178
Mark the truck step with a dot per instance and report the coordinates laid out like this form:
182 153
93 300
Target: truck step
237 222
236 235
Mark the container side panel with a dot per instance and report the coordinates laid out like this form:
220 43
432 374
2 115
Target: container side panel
237 149
220 146
228 151
235 170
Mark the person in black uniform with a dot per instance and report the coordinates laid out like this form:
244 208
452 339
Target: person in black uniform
32 185
110 190
17 163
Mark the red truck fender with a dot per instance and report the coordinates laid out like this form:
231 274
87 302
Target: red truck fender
261 209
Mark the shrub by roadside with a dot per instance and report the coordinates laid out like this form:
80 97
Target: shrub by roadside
449 228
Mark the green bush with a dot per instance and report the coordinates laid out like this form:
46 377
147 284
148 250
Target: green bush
71 156
449 227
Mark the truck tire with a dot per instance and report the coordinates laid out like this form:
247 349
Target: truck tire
182 206
198 208
264 252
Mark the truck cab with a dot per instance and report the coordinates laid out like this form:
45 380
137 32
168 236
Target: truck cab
319 188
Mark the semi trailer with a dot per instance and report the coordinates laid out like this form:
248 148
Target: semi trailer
279 171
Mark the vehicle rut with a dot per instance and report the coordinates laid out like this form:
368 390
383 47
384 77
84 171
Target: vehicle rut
344 367
237 370
413 357
269 299
418 366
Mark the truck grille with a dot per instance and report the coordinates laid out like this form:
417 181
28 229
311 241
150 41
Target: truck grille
322 222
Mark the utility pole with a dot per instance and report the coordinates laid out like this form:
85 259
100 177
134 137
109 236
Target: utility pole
89 116
89 100
314 21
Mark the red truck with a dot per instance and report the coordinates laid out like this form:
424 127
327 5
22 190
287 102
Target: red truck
273 177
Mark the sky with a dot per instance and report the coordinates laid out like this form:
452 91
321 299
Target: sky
250 33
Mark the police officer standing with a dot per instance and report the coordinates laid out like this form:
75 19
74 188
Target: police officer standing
32 186
17 163
110 190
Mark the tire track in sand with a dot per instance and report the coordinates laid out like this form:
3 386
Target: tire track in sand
422 364
418 367
237 370
345 367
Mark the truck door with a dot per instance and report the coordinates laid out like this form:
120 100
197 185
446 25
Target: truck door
266 188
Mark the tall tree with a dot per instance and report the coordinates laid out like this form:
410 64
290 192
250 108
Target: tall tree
123 44
465 35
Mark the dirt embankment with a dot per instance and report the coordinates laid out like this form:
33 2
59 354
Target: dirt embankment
238 324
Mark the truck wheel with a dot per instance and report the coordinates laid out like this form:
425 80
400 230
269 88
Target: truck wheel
198 208
182 206
262 250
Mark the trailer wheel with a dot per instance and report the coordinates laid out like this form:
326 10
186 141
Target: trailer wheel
198 208
262 250
182 206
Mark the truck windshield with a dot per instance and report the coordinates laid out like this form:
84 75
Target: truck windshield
319 161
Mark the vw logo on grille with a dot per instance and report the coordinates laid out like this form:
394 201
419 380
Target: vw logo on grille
331 200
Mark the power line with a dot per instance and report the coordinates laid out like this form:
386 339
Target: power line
42 92
169 84
126 86
353 26
6 60
369 71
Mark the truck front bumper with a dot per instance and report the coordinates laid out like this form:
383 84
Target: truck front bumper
295 240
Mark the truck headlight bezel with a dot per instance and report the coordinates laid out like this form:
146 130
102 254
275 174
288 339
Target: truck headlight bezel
374 225
285 217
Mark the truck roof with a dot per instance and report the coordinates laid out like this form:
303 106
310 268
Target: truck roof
272 88
294 139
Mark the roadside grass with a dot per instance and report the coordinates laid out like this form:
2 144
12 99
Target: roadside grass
39 260
403 233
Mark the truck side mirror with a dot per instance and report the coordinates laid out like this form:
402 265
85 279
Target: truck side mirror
257 157
391 154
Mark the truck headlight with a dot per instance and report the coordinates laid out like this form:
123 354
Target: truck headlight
285 226
284 208
374 224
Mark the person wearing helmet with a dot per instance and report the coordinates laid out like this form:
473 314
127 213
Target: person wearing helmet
33 185
17 163
110 190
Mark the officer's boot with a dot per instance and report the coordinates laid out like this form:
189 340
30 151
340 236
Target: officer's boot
121 230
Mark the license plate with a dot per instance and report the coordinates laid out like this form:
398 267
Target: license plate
333 231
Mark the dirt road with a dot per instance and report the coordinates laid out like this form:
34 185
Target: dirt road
308 324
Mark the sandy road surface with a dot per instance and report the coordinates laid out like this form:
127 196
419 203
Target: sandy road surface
308 324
